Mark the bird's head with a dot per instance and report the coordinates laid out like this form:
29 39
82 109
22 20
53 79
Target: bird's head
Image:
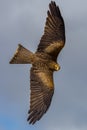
54 66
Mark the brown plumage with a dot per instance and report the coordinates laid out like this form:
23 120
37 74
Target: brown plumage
44 63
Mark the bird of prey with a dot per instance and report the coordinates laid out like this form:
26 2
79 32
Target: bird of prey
44 63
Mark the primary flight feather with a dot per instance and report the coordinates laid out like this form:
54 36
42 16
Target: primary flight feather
44 63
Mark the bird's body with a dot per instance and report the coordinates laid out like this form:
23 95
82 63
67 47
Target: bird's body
44 63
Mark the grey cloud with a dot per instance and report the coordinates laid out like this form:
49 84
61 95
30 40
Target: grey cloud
23 21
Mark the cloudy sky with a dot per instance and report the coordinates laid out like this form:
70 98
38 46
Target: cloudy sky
22 21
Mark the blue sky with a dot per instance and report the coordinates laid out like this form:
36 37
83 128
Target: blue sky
22 21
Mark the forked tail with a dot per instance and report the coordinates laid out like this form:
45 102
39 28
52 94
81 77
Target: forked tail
22 56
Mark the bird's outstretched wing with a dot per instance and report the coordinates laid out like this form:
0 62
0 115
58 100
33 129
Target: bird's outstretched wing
42 88
53 38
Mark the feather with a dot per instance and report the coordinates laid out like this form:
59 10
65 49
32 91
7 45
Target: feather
54 32
40 101
22 56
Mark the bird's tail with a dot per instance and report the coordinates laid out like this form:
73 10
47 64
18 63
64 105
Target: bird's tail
22 56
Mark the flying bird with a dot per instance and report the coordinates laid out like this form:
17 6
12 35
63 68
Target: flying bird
44 63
